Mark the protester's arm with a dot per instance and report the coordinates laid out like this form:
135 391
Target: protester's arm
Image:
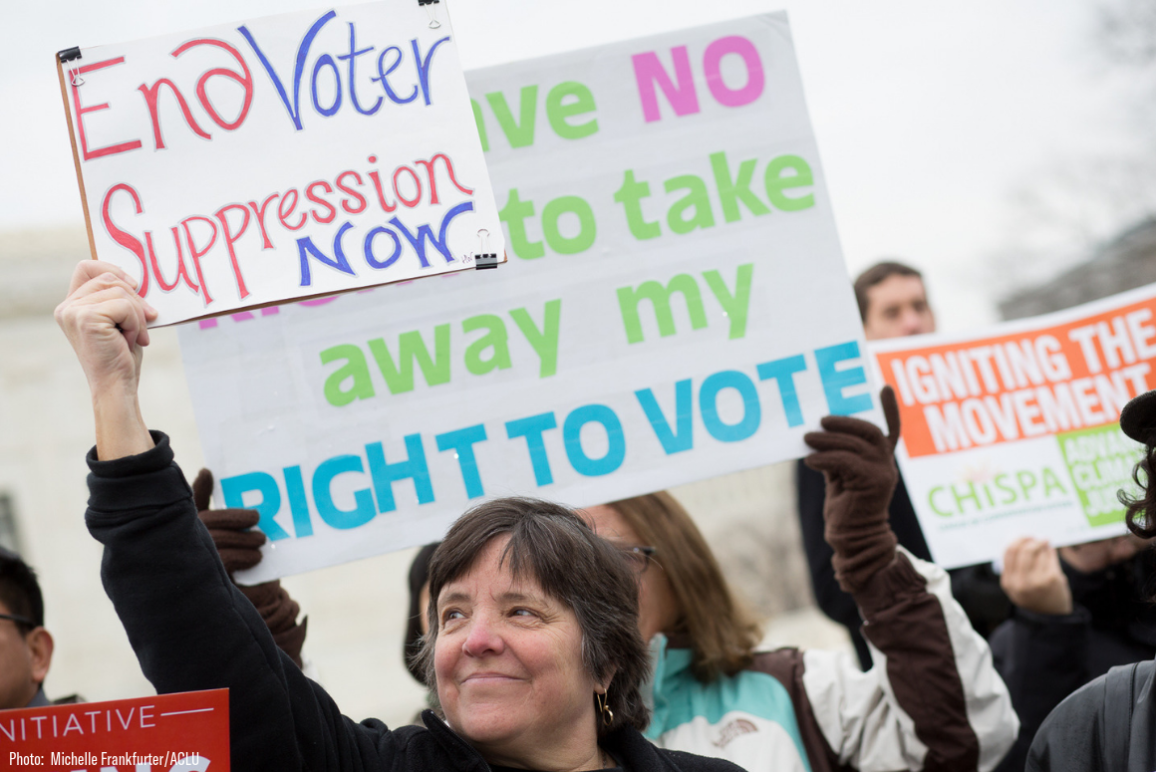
933 698
189 625
829 596
107 324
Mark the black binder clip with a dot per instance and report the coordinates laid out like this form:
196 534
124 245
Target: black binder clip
485 259
71 55
429 6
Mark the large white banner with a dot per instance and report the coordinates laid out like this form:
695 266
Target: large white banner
676 307
1015 430
280 158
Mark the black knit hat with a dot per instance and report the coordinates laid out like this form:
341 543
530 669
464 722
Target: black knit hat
1138 418
418 577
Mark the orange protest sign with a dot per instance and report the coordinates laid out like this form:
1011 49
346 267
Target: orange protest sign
1015 431
1004 388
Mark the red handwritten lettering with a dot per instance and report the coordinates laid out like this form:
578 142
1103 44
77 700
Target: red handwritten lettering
433 185
318 200
260 212
120 237
80 111
197 254
287 207
231 239
361 203
245 80
151 94
182 269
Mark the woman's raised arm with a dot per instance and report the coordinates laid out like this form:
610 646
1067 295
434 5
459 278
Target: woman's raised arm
106 322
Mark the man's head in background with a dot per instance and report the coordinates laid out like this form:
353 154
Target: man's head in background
893 302
25 646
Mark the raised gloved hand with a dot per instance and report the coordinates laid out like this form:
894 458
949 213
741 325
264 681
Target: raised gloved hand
240 549
859 464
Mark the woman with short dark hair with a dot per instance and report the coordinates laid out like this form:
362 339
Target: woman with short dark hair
550 544
534 650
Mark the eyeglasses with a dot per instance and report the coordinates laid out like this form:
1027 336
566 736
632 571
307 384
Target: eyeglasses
638 557
18 619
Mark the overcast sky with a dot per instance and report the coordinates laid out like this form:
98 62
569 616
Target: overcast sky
929 116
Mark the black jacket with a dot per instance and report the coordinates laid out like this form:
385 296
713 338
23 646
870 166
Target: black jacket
192 629
1045 658
1107 726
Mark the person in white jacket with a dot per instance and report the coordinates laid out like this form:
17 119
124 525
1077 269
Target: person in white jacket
932 701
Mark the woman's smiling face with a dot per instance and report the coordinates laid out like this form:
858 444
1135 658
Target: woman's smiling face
508 660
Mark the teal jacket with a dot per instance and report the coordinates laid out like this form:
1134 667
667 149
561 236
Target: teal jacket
749 715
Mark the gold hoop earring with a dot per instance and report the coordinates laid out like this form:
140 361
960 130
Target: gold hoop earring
604 709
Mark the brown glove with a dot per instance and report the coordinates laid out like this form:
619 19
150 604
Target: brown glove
859 464
239 549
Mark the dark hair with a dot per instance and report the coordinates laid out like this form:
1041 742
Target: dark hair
1141 510
555 547
19 590
722 632
877 274
418 576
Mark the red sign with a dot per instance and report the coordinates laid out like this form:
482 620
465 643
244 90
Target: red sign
169 732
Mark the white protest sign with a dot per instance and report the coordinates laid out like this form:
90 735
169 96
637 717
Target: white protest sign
676 307
280 158
1015 431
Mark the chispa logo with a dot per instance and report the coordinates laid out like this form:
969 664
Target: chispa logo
987 491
